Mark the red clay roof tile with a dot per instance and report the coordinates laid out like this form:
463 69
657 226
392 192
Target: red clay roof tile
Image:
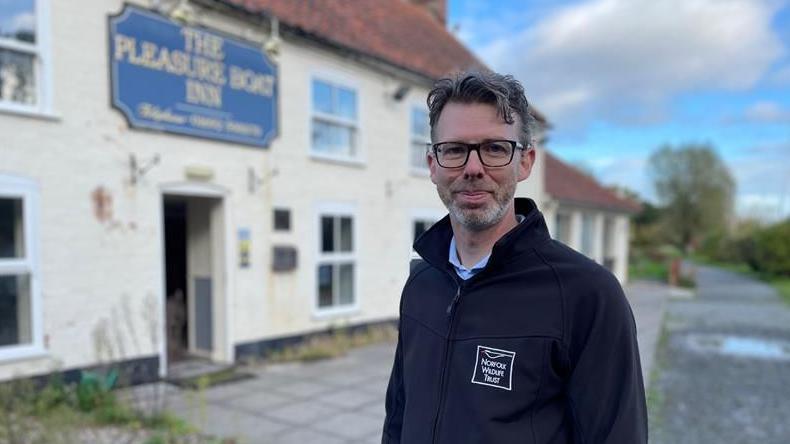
566 183
396 31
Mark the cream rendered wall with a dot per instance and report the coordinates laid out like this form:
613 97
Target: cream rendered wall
105 277
621 236
381 188
533 186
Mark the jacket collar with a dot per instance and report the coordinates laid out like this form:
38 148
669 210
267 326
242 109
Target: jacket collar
434 243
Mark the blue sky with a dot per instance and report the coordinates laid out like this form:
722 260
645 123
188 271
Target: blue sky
619 78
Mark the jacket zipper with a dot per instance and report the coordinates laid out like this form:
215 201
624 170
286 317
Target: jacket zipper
446 365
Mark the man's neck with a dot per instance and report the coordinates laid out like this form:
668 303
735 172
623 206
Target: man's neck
473 245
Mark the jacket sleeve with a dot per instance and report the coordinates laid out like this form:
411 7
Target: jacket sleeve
606 393
394 402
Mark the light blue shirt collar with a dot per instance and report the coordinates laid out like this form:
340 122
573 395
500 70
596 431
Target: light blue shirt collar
463 272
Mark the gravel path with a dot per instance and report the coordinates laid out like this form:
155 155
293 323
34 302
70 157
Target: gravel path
723 366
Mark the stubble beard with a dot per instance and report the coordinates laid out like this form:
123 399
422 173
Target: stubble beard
480 218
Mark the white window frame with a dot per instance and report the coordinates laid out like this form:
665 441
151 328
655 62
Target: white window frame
26 190
42 65
418 138
336 209
336 81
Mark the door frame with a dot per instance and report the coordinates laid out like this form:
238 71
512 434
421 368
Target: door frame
226 353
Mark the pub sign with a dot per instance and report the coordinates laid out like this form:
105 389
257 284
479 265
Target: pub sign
190 80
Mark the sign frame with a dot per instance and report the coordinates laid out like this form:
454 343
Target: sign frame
134 122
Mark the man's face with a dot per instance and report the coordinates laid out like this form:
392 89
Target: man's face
478 197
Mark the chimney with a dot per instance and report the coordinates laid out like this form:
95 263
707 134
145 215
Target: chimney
437 8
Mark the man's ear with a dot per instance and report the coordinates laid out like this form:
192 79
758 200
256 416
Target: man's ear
525 163
432 165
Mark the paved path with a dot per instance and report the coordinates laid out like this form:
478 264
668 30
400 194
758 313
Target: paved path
724 369
339 400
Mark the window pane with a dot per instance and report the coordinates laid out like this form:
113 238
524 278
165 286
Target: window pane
346 281
322 97
418 159
11 229
327 234
18 20
324 285
563 228
334 139
347 103
282 219
15 322
419 125
420 226
17 82
346 234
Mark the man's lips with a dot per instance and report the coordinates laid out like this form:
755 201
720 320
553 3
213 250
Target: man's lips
472 196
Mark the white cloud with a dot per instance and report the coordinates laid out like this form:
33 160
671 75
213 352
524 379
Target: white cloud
766 207
624 59
23 21
763 177
767 112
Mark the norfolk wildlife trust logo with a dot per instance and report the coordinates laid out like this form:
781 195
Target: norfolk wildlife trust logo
493 367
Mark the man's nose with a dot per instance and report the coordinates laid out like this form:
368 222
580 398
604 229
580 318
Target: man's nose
474 166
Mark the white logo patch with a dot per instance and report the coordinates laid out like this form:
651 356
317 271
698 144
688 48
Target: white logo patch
493 367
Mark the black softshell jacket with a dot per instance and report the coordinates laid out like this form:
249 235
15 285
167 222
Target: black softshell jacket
539 347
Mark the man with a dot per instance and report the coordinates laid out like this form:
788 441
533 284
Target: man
506 336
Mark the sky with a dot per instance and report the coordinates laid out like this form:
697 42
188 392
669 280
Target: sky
617 79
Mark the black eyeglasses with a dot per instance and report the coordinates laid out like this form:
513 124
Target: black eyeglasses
492 153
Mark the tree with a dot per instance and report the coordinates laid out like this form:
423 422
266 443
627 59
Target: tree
695 189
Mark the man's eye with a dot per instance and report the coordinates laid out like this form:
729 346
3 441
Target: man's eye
496 148
454 150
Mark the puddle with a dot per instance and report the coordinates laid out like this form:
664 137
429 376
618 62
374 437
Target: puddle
740 346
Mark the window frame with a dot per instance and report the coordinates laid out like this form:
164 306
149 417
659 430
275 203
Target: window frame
26 190
336 83
336 210
42 65
424 139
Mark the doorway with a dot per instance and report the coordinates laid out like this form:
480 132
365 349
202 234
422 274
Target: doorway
194 255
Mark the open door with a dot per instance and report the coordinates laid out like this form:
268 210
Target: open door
194 264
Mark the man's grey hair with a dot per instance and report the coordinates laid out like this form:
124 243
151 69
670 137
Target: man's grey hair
502 91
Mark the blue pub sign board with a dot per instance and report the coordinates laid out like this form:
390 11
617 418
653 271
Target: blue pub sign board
190 80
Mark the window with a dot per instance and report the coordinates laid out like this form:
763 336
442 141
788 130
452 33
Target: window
334 132
282 219
18 297
421 226
23 62
420 136
588 234
336 263
562 228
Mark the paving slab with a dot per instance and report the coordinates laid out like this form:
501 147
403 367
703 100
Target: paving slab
351 426
338 400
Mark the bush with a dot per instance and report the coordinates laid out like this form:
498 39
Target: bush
770 250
